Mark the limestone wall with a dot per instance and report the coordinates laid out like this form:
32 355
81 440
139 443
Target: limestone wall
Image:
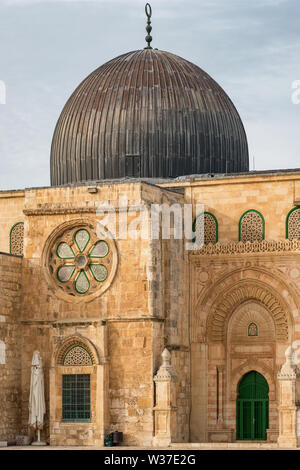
131 387
228 199
235 290
11 212
133 308
10 346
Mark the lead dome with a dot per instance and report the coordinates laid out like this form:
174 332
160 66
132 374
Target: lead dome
148 114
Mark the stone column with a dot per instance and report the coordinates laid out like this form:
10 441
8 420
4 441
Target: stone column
287 402
165 409
220 373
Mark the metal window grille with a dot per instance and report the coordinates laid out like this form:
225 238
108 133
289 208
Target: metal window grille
17 239
251 227
76 397
294 225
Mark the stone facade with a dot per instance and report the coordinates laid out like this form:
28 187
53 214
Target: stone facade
10 346
220 311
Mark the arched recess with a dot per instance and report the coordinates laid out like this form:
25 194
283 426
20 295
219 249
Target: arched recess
74 341
245 291
249 313
269 283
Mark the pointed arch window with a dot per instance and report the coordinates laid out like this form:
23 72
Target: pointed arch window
251 226
206 225
16 239
293 224
252 329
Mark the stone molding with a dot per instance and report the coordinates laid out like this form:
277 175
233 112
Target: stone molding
238 248
58 209
75 340
216 324
249 365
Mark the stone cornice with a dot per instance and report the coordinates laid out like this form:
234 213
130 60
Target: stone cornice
88 321
64 209
59 210
238 248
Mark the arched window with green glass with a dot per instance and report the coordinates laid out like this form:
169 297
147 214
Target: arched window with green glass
205 226
251 226
293 224
16 239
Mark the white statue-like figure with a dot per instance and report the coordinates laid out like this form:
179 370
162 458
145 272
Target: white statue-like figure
37 407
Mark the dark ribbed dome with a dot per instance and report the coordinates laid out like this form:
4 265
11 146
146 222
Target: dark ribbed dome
147 113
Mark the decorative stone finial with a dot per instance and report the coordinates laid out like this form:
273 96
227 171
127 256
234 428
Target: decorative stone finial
289 369
166 357
165 372
148 38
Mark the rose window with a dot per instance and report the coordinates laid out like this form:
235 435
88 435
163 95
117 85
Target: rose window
80 262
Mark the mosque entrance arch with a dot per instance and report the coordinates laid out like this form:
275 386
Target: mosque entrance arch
252 407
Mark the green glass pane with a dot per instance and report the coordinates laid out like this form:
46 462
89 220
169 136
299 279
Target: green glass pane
100 250
64 251
76 403
82 238
99 272
65 273
82 284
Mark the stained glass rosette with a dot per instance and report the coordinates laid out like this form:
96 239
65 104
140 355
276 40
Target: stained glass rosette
81 261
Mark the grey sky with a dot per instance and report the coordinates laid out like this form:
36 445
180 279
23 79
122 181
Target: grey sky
250 47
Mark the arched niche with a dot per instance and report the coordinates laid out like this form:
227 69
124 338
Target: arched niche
247 314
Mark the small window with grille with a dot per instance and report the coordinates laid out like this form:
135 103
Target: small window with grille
76 397
293 224
16 239
205 226
251 227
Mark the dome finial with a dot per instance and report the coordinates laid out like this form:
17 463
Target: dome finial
148 38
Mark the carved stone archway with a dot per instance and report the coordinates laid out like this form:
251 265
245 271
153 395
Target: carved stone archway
71 341
258 366
235 287
245 291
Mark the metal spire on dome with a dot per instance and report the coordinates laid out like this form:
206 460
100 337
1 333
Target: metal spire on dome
148 38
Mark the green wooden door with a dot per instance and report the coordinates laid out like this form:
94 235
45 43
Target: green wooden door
252 412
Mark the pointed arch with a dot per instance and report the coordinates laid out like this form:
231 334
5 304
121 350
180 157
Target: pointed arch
70 344
240 293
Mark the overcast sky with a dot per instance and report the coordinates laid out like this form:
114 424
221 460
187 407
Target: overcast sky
47 47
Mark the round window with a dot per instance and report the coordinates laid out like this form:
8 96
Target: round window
80 263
